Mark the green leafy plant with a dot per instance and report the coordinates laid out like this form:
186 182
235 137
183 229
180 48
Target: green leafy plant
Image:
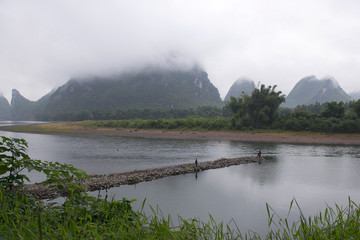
14 160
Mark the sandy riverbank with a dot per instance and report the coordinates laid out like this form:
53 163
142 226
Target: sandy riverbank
276 137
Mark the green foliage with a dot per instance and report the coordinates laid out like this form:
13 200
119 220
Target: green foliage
295 121
237 109
327 117
334 109
316 108
23 217
257 110
125 114
14 160
190 123
339 223
355 107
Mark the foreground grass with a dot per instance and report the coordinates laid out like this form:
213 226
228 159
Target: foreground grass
333 223
23 217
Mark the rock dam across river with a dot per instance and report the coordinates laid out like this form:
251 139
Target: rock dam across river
106 181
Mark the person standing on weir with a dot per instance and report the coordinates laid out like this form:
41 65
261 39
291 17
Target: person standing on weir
196 164
259 156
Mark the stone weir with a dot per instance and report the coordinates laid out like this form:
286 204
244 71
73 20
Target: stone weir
106 181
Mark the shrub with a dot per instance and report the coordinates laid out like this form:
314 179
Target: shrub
14 160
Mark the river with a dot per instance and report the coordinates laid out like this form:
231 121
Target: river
315 175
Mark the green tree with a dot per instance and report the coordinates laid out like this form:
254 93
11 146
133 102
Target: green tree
355 106
333 109
236 108
263 104
258 110
312 108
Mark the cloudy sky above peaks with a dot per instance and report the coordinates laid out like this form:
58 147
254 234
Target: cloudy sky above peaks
44 43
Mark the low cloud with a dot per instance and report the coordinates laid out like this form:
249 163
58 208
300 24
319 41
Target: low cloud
45 43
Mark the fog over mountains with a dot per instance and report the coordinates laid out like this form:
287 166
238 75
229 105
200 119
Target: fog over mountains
4 109
310 90
239 87
355 95
155 87
150 88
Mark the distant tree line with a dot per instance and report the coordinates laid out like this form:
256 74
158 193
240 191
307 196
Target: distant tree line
328 117
189 123
333 119
106 114
261 110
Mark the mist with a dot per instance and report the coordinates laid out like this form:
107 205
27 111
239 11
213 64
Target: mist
45 43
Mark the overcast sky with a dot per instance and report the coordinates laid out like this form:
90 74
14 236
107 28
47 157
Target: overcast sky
43 43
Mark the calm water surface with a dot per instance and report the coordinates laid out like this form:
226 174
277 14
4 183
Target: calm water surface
315 175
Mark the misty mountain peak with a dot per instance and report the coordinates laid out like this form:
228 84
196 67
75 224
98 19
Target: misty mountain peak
15 93
331 82
242 79
16 97
239 87
21 108
151 87
176 61
309 78
310 90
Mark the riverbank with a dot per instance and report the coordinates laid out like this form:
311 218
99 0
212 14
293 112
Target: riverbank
76 128
106 181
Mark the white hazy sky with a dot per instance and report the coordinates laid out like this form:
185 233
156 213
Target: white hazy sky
43 43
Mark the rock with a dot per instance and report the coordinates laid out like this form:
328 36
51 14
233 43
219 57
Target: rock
98 182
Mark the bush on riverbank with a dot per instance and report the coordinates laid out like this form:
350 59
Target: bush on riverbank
189 123
296 122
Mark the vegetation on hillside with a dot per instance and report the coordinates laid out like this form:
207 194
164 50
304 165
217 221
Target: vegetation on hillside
149 88
310 90
137 113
